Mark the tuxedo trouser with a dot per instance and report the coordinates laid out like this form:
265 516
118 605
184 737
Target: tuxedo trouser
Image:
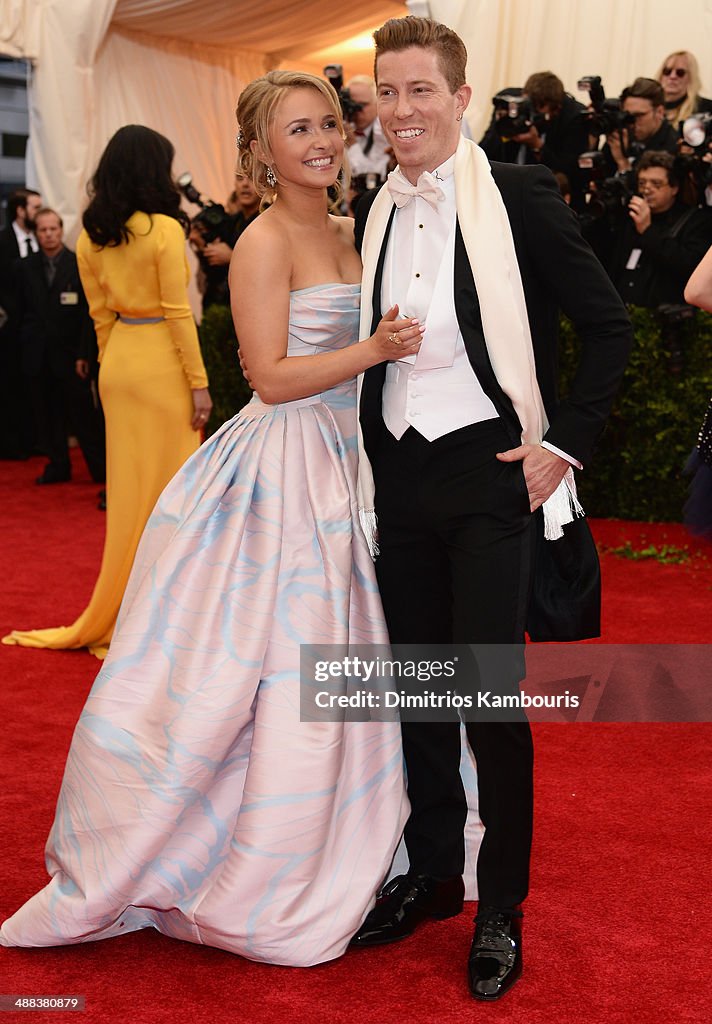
63 404
455 537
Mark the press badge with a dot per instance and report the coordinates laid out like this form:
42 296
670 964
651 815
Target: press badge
633 259
69 298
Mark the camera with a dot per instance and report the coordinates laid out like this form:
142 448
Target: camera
213 222
517 114
607 115
334 74
610 197
697 131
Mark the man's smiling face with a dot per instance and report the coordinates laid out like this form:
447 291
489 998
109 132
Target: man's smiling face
417 110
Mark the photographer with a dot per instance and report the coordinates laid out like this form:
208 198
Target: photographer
664 238
368 150
554 132
367 147
213 234
644 102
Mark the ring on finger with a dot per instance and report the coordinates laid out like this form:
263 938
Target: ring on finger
394 339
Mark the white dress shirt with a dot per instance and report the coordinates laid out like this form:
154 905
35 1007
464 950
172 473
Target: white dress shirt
376 159
437 390
23 237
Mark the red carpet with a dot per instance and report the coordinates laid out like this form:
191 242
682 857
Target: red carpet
616 924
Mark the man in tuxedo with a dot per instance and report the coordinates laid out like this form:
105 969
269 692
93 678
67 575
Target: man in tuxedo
466 440
54 323
17 241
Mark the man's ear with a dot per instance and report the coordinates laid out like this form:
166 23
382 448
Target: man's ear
463 95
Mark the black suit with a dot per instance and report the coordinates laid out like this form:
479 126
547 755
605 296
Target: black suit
55 323
16 431
456 533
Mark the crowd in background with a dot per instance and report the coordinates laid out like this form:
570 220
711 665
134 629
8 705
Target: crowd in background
636 169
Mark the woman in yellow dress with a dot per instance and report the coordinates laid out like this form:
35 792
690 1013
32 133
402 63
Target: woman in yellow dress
153 384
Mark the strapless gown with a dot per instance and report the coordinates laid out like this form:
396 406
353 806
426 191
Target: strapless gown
194 801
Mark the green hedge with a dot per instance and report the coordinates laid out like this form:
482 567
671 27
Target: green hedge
228 388
637 469
636 472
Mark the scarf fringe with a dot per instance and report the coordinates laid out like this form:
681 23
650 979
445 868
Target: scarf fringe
369 525
561 507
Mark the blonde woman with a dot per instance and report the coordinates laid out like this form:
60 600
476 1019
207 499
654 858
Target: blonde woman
679 75
195 801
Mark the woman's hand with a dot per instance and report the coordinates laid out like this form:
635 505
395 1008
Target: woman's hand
396 338
202 405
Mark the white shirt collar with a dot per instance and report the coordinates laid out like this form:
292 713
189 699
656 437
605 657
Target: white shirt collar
445 170
20 233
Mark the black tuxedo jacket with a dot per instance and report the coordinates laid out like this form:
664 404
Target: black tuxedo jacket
559 272
52 330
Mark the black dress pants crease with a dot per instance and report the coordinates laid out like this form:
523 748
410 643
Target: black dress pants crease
455 534
65 405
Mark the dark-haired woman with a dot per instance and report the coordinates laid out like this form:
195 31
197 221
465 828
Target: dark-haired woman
153 384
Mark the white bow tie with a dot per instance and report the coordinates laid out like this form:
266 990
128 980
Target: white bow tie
402 191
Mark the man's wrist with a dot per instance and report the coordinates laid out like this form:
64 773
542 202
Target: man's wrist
562 455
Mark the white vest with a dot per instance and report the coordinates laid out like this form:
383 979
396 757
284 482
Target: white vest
436 391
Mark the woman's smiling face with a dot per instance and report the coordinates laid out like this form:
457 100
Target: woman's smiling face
305 140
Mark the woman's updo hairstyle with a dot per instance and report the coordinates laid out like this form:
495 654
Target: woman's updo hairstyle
256 109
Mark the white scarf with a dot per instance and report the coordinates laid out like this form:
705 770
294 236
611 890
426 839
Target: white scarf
487 235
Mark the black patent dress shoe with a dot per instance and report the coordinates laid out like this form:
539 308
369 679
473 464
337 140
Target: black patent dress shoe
406 902
496 955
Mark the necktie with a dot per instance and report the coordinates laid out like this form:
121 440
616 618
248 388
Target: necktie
28 248
402 191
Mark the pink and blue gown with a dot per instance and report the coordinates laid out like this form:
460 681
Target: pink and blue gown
194 801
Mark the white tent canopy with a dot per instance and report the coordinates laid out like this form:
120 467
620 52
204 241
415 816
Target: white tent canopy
174 65
178 65
507 40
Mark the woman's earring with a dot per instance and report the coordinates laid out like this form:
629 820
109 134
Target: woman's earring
271 180
459 117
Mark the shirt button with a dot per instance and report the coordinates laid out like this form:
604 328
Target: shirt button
417 275
420 225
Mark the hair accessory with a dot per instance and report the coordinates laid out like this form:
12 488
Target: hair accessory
271 179
240 139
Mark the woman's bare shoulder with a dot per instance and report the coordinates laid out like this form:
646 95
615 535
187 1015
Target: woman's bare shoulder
262 249
262 235
345 226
